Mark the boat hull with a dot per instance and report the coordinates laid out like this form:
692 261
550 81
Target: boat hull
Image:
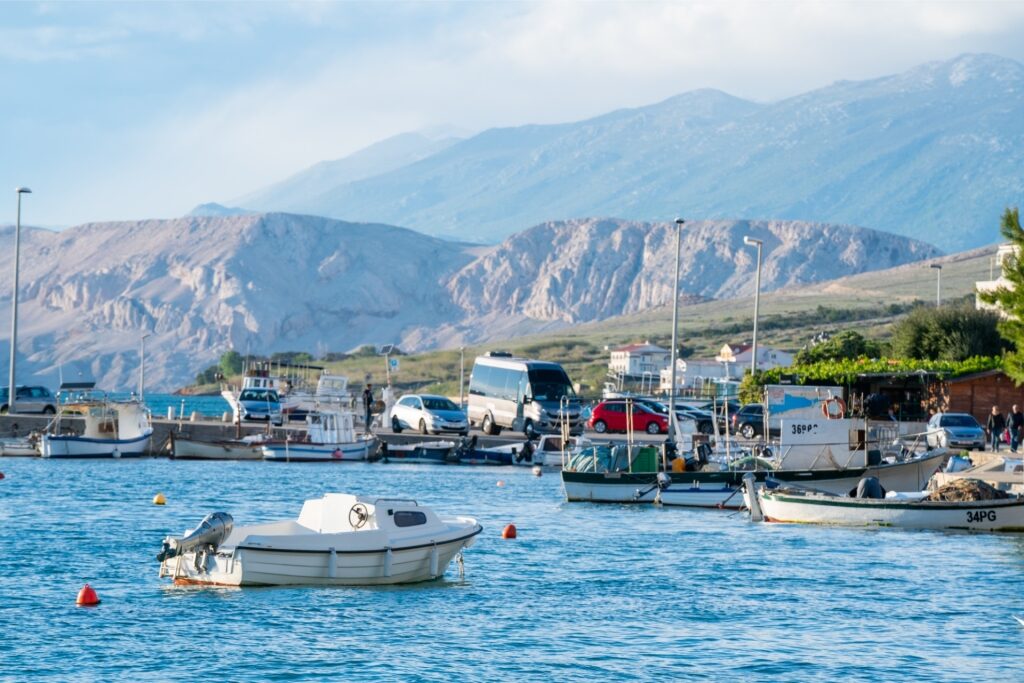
1006 515
189 449
721 489
420 454
248 566
83 447
280 451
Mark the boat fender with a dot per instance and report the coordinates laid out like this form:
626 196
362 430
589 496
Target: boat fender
750 497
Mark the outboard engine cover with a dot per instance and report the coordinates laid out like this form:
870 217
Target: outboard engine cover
870 487
210 533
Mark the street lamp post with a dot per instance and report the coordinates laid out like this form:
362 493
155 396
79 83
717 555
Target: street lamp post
751 242
462 373
675 330
938 283
12 396
142 366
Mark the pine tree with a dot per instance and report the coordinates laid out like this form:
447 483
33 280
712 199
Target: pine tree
1011 298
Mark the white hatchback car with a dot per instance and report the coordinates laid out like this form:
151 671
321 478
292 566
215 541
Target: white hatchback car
429 414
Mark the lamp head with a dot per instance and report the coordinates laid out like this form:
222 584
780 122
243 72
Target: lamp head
680 221
22 190
751 242
936 266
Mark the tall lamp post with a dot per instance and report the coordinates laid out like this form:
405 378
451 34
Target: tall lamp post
462 373
14 301
751 242
675 330
142 366
938 283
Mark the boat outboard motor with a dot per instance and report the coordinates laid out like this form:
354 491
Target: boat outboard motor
526 452
211 532
870 487
661 482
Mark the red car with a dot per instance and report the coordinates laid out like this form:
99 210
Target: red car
611 416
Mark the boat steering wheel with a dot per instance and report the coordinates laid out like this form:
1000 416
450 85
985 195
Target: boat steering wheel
358 515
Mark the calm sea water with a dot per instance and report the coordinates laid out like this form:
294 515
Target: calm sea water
587 592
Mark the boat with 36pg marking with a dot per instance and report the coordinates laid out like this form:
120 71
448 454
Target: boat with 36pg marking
993 511
339 539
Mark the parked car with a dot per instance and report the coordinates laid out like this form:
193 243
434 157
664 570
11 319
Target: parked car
260 405
748 421
611 416
955 430
702 419
429 414
30 400
728 407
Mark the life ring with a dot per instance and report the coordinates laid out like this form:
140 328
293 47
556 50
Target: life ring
833 408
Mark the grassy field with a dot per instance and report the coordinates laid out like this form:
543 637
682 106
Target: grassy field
869 302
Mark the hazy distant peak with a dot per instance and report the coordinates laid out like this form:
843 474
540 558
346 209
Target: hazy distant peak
215 209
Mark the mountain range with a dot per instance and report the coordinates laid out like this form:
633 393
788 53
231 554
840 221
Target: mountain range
933 153
260 283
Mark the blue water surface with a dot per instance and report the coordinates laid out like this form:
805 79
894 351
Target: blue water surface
586 593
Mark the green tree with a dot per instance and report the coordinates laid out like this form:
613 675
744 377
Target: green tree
952 333
845 345
231 363
1011 299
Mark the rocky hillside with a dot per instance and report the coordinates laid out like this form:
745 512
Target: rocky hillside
275 282
935 153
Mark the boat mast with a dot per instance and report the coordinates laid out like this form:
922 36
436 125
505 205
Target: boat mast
672 427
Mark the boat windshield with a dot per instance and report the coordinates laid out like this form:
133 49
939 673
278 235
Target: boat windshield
550 384
959 421
258 395
438 403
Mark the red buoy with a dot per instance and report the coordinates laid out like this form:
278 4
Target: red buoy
1 475
87 596
509 531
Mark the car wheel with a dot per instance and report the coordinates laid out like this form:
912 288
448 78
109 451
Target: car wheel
396 426
423 427
49 410
653 428
3 410
747 431
488 426
600 427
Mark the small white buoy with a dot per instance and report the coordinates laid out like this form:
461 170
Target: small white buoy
537 471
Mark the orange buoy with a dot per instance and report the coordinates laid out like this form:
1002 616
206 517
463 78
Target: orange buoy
159 499
501 483
87 596
509 531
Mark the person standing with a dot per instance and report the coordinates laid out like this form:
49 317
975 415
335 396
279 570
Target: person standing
996 425
368 404
1016 423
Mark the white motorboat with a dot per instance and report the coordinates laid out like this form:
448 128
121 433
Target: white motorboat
339 539
330 437
186 448
905 511
19 446
113 429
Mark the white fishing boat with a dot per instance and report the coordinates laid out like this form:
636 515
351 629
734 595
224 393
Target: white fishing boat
112 429
339 539
905 511
420 453
185 447
330 437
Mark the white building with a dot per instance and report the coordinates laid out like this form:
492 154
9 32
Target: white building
636 360
767 357
990 285
694 374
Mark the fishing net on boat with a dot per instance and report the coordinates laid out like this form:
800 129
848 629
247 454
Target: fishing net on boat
614 459
966 490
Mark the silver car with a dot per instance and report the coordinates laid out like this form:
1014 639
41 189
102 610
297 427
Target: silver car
429 414
955 430
30 400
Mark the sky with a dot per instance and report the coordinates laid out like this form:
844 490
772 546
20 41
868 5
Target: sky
119 111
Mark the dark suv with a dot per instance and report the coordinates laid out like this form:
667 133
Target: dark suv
749 421
30 400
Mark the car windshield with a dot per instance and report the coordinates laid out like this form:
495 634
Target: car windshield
438 403
958 421
257 395
550 384
655 406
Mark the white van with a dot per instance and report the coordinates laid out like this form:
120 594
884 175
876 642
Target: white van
530 396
